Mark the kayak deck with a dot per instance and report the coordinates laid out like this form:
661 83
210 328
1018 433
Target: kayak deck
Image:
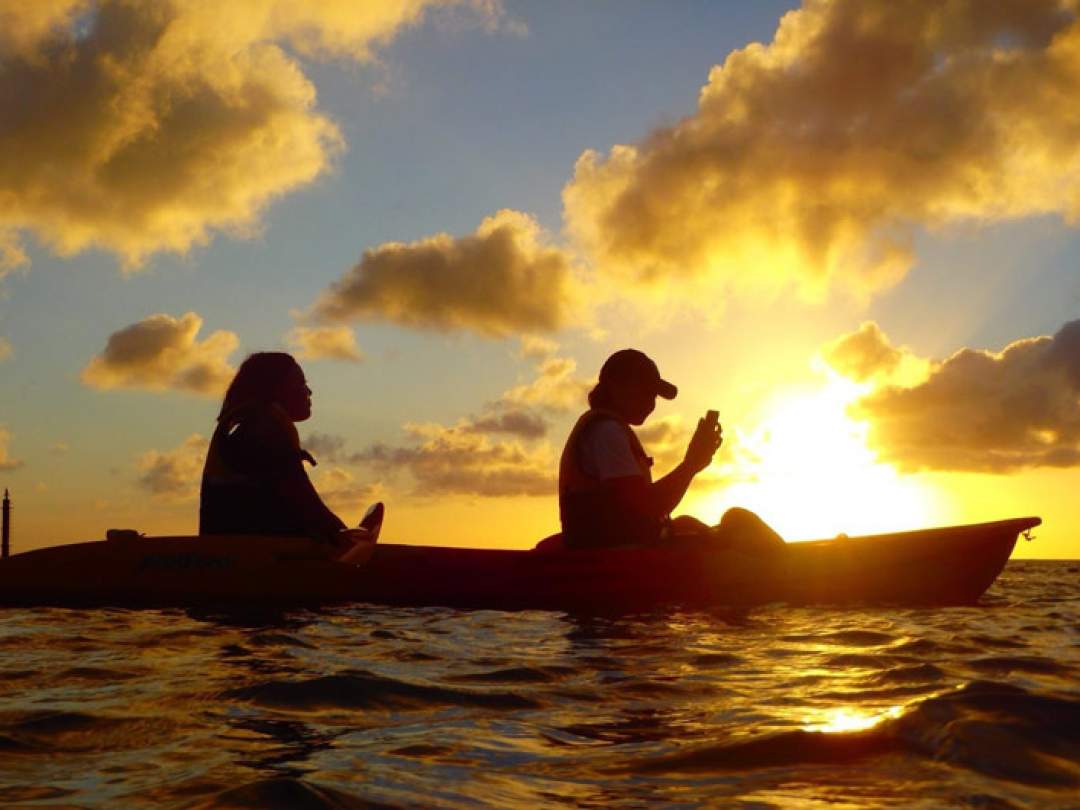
944 566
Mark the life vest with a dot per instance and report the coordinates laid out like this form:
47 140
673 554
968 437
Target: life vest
591 515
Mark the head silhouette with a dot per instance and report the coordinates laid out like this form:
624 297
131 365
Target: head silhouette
629 385
267 378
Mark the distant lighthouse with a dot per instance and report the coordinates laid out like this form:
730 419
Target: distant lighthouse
5 539
5 542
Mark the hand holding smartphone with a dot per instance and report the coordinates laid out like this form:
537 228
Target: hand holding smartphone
712 420
705 441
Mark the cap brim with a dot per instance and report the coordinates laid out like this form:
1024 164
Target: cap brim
666 390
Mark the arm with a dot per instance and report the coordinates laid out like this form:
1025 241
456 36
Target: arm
655 500
659 499
295 488
281 460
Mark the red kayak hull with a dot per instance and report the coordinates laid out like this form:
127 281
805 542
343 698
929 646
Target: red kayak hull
946 566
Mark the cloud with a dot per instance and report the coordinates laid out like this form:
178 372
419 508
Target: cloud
12 254
7 462
496 420
866 354
500 280
664 439
140 126
451 460
868 357
326 447
810 160
534 347
59 447
555 388
324 343
515 422
985 411
5 350
24 26
340 490
174 474
161 353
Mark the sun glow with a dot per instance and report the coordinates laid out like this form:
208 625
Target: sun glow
807 470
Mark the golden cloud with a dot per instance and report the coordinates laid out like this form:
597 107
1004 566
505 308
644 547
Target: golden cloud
863 354
12 254
24 26
340 490
6 461
140 125
451 460
534 347
164 353
466 458
500 280
324 342
555 388
665 439
174 474
519 422
811 159
985 411
326 447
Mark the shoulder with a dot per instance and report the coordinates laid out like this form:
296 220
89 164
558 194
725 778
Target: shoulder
605 432
605 450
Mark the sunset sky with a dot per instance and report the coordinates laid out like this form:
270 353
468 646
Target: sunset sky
849 226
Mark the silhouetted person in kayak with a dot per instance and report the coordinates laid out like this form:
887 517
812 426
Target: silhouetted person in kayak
254 481
607 496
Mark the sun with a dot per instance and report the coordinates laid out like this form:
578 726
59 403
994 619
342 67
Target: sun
807 470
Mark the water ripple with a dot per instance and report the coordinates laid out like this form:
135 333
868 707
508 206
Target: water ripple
364 706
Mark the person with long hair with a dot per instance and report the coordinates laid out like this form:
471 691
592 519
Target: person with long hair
607 496
254 481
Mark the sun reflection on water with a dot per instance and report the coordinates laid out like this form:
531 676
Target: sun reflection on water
848 719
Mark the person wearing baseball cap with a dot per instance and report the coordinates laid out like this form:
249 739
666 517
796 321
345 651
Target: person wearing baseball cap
607 496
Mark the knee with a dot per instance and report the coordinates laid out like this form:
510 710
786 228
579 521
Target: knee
737 516
745 524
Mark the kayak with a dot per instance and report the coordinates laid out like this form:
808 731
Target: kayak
944 566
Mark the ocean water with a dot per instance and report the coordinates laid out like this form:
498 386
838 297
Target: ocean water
365 706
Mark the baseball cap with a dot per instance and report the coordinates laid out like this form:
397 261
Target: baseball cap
630 365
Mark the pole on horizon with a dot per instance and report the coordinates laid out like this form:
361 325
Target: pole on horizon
5 540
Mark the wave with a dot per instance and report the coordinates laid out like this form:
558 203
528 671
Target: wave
287 794
365 690
915 673
993 728
76 732
516 675
1005 664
